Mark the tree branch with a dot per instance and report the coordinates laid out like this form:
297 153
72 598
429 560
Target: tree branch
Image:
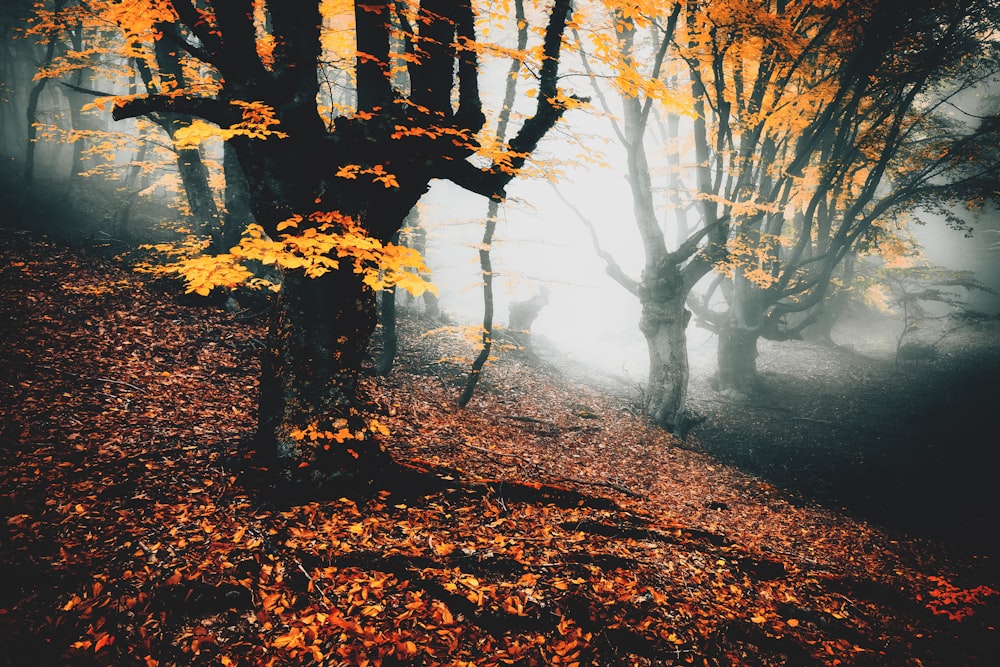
207 108
190 17
612 268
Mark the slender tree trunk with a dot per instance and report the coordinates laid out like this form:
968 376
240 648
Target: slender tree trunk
127 196
318 335
31 114
390 337
204 212
486 266
238 213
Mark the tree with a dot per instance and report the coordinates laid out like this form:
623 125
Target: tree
873 148
485 260
328 194
633 47
808 126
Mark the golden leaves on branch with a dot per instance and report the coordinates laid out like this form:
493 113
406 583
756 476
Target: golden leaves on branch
324 240
258 122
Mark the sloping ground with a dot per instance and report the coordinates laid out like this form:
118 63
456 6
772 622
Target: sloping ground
910 446
545 524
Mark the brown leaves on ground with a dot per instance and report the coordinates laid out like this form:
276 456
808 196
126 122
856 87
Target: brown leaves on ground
544 525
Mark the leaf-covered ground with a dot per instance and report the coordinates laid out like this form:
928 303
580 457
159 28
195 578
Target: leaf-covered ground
544 525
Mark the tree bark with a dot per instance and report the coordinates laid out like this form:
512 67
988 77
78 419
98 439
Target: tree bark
664 324
738 335
737 357
309 376
238 214
204 212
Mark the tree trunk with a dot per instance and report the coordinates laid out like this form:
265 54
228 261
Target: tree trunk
309 374
238 214
664 324
204 212
31 114
737 356
416 238
737 351
390 337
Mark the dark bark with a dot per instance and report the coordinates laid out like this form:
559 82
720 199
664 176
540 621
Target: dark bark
317 338
372 21
321 329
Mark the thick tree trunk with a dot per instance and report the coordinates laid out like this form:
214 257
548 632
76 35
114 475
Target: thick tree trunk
309 373
737 357
664 324
737 351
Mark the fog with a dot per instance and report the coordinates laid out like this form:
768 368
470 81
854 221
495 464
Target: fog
540 241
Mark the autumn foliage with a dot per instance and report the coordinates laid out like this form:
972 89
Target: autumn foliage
546 527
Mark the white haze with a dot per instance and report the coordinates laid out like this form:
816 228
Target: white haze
540 241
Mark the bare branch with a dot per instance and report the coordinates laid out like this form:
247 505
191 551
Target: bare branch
612 268
207 108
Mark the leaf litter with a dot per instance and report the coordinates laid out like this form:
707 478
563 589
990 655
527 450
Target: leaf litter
545 524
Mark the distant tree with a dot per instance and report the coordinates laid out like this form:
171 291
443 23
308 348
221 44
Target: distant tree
920 294
329 187
807 127
870 146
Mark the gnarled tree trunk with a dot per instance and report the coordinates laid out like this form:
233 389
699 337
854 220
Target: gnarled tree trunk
664 324
309 375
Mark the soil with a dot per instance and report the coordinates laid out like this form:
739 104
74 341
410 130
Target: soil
909 446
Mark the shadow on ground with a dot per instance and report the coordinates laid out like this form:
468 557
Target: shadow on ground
910 446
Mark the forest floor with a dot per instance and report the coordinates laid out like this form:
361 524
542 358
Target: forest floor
910 446
544 524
